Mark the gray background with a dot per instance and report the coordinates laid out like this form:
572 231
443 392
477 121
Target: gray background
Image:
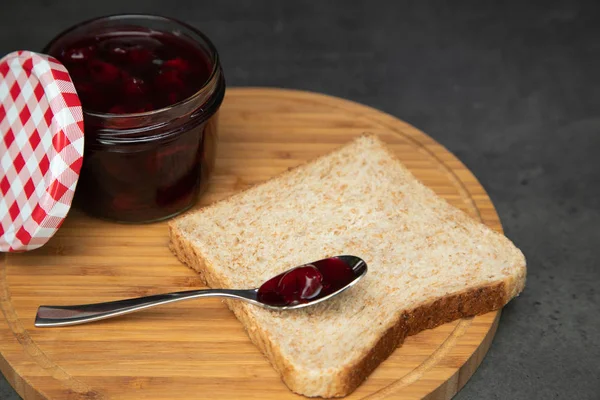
512 88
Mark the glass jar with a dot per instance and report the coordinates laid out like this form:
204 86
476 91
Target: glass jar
150 142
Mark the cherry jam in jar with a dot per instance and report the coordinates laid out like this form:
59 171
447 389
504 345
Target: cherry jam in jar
150 89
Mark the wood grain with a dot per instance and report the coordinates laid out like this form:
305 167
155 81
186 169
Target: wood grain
198 349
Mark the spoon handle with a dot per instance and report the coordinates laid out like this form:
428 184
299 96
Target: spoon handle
50 316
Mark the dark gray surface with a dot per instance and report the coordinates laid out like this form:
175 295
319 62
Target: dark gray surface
512 90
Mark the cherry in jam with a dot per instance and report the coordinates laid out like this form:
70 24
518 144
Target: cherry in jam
135 71
306 283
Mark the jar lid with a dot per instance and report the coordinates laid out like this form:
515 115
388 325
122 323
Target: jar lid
41 148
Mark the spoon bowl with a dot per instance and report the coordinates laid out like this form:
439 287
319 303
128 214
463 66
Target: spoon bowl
298 287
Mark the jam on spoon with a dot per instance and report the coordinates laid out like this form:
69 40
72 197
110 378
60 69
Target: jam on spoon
298 287
306 283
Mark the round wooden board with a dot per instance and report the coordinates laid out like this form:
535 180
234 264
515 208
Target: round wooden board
198 349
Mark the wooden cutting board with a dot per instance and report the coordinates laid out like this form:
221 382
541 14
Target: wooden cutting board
198 349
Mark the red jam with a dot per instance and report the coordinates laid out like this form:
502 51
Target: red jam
306 283
150 89
134 72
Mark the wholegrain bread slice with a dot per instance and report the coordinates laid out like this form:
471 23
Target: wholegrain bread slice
429 263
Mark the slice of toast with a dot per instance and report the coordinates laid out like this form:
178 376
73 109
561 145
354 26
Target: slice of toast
429 263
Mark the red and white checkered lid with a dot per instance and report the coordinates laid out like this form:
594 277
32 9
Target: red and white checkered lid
41 148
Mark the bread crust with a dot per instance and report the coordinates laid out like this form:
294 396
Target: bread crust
427 316
454 306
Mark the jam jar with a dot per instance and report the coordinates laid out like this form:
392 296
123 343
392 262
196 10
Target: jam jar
150 89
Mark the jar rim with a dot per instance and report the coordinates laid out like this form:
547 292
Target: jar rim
214 75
